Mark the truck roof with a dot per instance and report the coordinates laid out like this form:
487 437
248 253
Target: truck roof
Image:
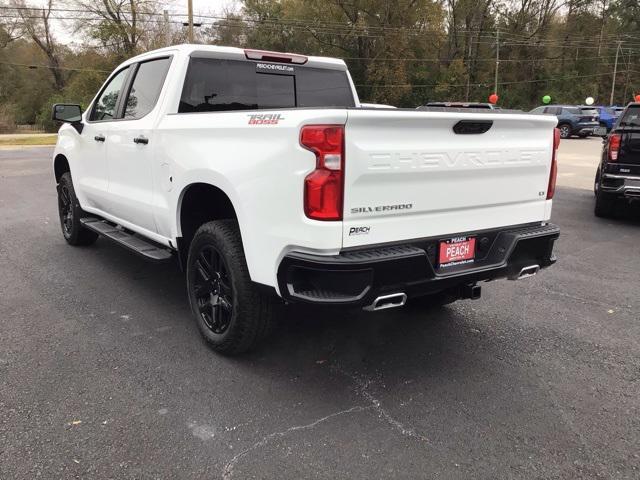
215 51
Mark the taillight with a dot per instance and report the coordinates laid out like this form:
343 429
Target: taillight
323 188
553 174
614 146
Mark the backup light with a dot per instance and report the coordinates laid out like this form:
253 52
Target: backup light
614 146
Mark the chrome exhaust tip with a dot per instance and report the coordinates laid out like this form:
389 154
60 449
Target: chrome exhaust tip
526 272
384 302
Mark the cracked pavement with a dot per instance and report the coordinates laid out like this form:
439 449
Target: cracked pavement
103 373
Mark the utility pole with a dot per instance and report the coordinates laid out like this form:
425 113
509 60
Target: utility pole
626 82
167 30
495 83
190 14
615 70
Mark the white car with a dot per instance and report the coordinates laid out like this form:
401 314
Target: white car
259 172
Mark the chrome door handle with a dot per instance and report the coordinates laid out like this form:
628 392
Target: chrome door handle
141 139
99 138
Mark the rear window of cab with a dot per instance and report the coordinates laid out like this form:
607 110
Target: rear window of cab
214 85
631 117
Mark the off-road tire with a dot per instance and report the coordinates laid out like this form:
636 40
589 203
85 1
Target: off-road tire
252 313
70 214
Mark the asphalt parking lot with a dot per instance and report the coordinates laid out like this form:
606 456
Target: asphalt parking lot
103 373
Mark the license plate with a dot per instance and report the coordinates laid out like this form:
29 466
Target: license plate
600 131
457 250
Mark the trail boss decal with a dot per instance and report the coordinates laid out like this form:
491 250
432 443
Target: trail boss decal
265 118
382 208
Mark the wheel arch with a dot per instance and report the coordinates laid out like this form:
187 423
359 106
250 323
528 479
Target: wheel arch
199 203
60 166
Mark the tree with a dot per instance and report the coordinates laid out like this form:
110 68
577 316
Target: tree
35 24
122 26
9 31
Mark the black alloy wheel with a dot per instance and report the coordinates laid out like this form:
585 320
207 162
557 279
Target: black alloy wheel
65 209
213 290
232 313
70 214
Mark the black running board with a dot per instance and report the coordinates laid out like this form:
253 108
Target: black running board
145 248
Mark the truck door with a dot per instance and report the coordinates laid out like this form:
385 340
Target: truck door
90 173
130 148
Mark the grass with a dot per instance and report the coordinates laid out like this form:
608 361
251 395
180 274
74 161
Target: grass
28 140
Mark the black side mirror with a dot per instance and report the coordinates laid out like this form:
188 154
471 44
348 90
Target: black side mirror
68 113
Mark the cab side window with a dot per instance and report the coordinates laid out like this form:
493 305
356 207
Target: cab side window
146 88
105 106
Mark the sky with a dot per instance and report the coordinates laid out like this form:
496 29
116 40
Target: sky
204 7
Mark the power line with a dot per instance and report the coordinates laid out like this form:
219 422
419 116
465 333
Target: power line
315 31
26 65
326 27
35 65
483 84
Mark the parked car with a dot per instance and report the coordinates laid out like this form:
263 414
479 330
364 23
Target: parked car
261 175
618 175
571 120
608 116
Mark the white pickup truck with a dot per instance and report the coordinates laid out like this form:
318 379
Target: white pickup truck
264 176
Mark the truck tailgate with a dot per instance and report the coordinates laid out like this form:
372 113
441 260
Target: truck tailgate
409 175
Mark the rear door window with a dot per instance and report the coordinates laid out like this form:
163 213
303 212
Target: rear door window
146 88
214 85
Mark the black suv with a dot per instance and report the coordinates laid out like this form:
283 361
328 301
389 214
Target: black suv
618 175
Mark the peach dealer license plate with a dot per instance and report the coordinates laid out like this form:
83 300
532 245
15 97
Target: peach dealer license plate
456 251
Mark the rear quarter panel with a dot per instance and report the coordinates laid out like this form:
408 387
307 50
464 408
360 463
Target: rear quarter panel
261 168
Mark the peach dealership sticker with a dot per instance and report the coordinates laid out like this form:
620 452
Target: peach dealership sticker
457 250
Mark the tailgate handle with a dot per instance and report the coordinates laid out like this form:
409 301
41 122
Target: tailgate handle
472 127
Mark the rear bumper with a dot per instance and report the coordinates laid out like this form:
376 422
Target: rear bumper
356 277
627 186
